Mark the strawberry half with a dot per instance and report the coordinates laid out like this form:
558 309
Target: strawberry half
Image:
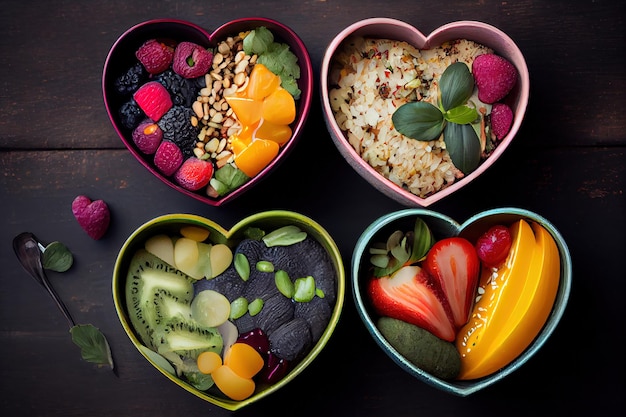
454 265
411 295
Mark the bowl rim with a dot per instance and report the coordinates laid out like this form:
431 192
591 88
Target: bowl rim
381 183
306 83
460 388
119 276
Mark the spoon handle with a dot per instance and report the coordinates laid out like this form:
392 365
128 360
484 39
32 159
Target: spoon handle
26 247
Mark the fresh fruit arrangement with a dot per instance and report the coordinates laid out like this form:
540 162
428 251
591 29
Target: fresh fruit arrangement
210 119
230 316
462 310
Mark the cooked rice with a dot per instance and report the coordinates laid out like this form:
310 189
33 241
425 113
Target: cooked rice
371 78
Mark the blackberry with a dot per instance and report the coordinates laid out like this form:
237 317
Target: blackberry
183 91
176 126
130 114
130 81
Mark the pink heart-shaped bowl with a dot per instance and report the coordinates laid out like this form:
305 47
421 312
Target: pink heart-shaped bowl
330 278
552 305
422 193
122 57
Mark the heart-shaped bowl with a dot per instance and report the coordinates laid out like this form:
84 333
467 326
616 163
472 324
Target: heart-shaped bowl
414 173
442 227
333 291
121 58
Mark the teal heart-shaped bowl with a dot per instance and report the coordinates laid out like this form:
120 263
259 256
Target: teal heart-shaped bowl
443 226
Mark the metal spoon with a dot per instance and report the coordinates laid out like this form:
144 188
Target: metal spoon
27 249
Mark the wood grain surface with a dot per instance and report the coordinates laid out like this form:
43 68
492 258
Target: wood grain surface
568 164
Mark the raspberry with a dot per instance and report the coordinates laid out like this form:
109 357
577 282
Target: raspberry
156 56
153 99
92 216
194 174
493 246
168 158
147 136
495 77
191 60
501 120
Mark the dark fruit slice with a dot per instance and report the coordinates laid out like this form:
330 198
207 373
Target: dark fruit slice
493 246
148 276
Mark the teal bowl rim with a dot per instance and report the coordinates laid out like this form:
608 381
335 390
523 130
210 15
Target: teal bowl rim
461 388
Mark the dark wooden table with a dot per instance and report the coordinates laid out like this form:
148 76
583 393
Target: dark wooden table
567 164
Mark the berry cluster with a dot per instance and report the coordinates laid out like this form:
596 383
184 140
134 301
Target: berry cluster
160 88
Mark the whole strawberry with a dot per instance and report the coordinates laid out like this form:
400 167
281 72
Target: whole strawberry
501 120
168 158
493 246
194 174
191 60
156 56
92 216
153 99
495 77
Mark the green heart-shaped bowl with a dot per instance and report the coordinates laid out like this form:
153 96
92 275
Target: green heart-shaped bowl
443 226
267 221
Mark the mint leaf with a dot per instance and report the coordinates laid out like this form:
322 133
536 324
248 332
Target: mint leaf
57 257
456 86
419 120
258 41
463 145
423 240
461 115
92 343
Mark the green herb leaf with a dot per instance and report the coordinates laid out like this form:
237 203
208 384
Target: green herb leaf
158 359
92 343
57 257
254 233
228 178
284 236
463 145
456 86
461 115
419 120
423 240
258 41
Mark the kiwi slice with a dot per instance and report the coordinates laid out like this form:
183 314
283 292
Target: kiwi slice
187 339
151 287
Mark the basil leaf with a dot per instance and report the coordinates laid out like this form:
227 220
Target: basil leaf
463 145
57 257
456 86
258 41
419 120
423 240
461 115
92 343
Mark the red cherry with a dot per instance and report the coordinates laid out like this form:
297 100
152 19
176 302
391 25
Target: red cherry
493 246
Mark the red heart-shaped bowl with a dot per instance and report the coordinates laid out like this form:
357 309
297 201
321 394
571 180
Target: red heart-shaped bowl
391 170
442 227
121 57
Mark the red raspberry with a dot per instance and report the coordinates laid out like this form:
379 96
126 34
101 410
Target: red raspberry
191 60
153 99
168 158
147 136
194 173
495 77
501 120
156 56
493 246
